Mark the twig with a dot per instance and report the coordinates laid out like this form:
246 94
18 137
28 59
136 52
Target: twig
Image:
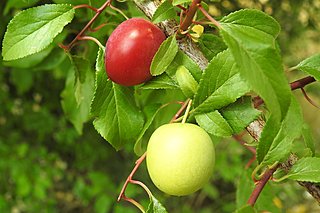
260 185
179 112
298 84
85 6
308 98
210 18
302 82
97 28
189 15
138 162
80 34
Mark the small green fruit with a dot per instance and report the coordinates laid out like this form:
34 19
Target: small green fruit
180 158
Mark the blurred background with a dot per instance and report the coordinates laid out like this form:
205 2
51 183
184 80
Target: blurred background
46 165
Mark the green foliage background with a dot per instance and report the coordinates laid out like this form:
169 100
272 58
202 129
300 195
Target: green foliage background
47 166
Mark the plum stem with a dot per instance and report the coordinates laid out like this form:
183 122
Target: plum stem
179 112
119 11
134 202
185 116
92 39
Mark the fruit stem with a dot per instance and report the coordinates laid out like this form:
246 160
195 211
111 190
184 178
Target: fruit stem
92 39
179 112
119 11
185 116
143 186
134 202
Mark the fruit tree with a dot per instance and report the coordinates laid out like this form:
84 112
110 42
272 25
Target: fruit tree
176 81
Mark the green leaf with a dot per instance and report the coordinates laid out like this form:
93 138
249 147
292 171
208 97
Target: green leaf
186 81
150 113
220 85
56 57
250 35
162 81
214 123
305 169
164 56
311 66
182 59
252 19
32 30
84 79
18 4
31 60
78 94
117 118
164 11
278 149
155 206
240 114
308 139
211 45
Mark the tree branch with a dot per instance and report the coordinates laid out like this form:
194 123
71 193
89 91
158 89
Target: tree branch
298 84
260 185
190 14
188 47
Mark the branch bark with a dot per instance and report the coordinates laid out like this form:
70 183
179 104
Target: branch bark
189 48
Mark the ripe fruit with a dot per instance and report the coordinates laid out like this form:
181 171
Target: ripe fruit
180 158
130 49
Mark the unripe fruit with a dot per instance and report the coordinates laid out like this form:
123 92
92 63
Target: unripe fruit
130 50
180 158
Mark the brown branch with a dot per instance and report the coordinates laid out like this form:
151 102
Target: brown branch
138 162
298 84
190 13
302 82
179 112
260 185
210 18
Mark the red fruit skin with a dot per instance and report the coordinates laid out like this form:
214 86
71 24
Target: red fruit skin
130 50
